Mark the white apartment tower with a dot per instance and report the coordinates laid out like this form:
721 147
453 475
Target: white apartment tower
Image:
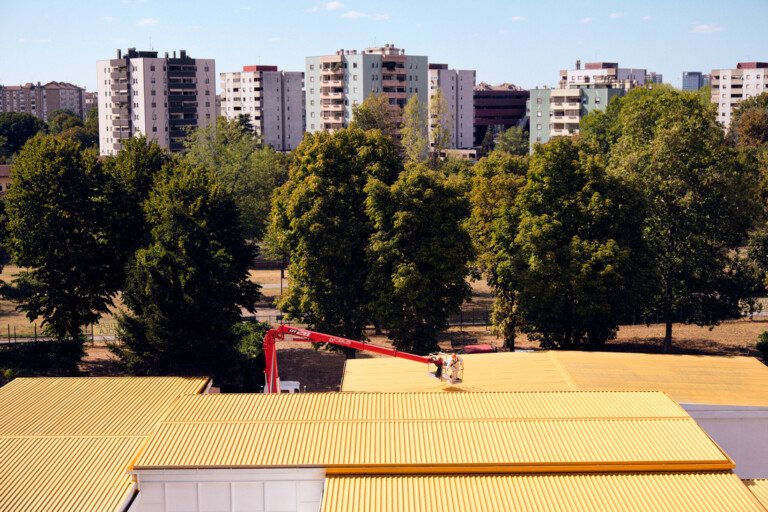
272 99
602 73
335 83
731 86
161 98
457 87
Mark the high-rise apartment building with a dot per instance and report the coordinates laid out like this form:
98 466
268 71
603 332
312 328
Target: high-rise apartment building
558 112
335 83
41 100
596 73
498 108
271 98
160 97
656 78
457 87
731 86
91 100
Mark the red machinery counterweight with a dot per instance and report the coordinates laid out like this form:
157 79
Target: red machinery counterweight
448 367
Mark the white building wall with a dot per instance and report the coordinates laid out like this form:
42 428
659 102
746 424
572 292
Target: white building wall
229 490
457 88
206 91
752 82
742 433
272 109
104 103
293 100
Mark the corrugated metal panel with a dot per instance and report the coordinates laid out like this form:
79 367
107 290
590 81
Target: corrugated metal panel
66 443
628 492
508 371
65 473
116 406
293 430
688 379
423 406
760 489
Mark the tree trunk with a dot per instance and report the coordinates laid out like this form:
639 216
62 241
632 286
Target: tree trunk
668 333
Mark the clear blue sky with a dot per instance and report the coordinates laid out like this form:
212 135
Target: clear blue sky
525 43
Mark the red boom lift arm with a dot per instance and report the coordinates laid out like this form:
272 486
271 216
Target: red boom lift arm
273 380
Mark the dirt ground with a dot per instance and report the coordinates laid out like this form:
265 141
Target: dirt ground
322 370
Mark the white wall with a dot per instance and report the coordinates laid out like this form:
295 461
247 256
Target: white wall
742 433
229 490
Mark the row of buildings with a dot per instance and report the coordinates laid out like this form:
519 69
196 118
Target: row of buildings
165 96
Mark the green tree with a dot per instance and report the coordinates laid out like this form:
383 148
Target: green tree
186 288
63 122
514 141
375 113
496 183
577 252
413 131
59 111
92 124
131 176
246 169
440 122
320 220
16 129
59 228
700 203
488 143
420 253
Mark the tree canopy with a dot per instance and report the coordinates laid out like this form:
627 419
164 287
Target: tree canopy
16 129
574 248
59 227
413 131
700 202
321 221
186 287
419 254
496 183
514 141
249 171
375 113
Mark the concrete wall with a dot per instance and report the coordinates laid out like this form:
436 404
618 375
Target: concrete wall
742 433
229 490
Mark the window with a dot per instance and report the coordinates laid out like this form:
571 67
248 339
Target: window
311 66
354 77
154 128
311 79
207 92
153 92
311 114
206 69
538 100
538 127
538 113
354 89
207 81
597 100
354 64
312 103
538 139
312 91
313 126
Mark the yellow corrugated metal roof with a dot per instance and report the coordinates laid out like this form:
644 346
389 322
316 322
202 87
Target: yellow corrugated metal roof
687 379
625 492
411 432
760 489
507 371
66 443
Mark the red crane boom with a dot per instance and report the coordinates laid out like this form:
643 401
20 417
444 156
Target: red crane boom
440 360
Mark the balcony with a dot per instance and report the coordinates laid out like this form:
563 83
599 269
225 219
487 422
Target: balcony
332 83
333 72
181 85
120 111
332 95
118 75
393 83
332 126
396 95
332 108
120 98
121 122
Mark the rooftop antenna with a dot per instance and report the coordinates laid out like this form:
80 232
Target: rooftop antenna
150 42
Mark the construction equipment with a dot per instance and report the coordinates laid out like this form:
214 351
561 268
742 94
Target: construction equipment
447 367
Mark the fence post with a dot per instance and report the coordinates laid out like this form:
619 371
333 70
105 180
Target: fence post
14 334
35 331
9 333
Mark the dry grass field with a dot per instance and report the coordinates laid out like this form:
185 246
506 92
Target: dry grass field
321 370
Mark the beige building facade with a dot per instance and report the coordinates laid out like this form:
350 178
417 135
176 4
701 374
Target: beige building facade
732 86
160 97
41 100
272 99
